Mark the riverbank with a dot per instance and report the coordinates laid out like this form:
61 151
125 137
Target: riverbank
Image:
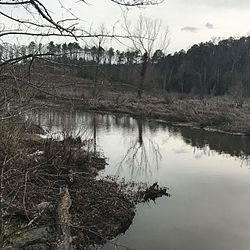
230 114
216 114
219 114
50 197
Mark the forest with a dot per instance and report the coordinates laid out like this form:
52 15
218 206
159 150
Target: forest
214 68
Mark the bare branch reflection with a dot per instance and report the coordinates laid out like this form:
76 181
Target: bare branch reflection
94 131
140 153
142 157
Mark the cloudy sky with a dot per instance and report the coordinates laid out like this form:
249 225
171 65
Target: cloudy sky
189 21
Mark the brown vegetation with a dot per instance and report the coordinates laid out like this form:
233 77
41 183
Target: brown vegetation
220 113
36 214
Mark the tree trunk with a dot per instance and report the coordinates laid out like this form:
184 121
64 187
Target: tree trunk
143 74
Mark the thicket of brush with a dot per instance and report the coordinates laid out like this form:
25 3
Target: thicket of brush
33 173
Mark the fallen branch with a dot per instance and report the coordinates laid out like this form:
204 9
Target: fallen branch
64 221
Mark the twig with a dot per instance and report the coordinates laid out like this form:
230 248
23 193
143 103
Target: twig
24 194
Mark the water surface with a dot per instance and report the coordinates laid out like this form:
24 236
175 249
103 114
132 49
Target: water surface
207 173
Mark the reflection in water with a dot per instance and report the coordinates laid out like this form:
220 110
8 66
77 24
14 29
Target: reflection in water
210 203
94 133
237 146
141 156
143 150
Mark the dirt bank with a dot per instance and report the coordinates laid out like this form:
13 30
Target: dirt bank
49 188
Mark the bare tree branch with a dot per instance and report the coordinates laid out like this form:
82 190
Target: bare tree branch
15 3
131 3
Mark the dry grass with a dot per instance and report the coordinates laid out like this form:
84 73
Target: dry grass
223 113
217 112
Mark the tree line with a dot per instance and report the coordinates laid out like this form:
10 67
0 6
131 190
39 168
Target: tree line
210 68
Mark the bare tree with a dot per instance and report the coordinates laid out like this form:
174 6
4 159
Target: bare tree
99 41
146 35
39 21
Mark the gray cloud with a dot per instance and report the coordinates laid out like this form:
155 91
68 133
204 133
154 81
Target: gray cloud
209 26
190 29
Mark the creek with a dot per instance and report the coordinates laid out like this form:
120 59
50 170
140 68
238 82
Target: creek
207 174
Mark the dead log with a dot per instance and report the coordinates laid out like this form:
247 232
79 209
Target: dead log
64 220
153 192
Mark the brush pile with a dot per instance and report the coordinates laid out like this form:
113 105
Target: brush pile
50 198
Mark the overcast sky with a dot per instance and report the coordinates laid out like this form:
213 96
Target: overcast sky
189 21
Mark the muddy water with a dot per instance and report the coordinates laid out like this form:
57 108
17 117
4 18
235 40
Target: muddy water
208 175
